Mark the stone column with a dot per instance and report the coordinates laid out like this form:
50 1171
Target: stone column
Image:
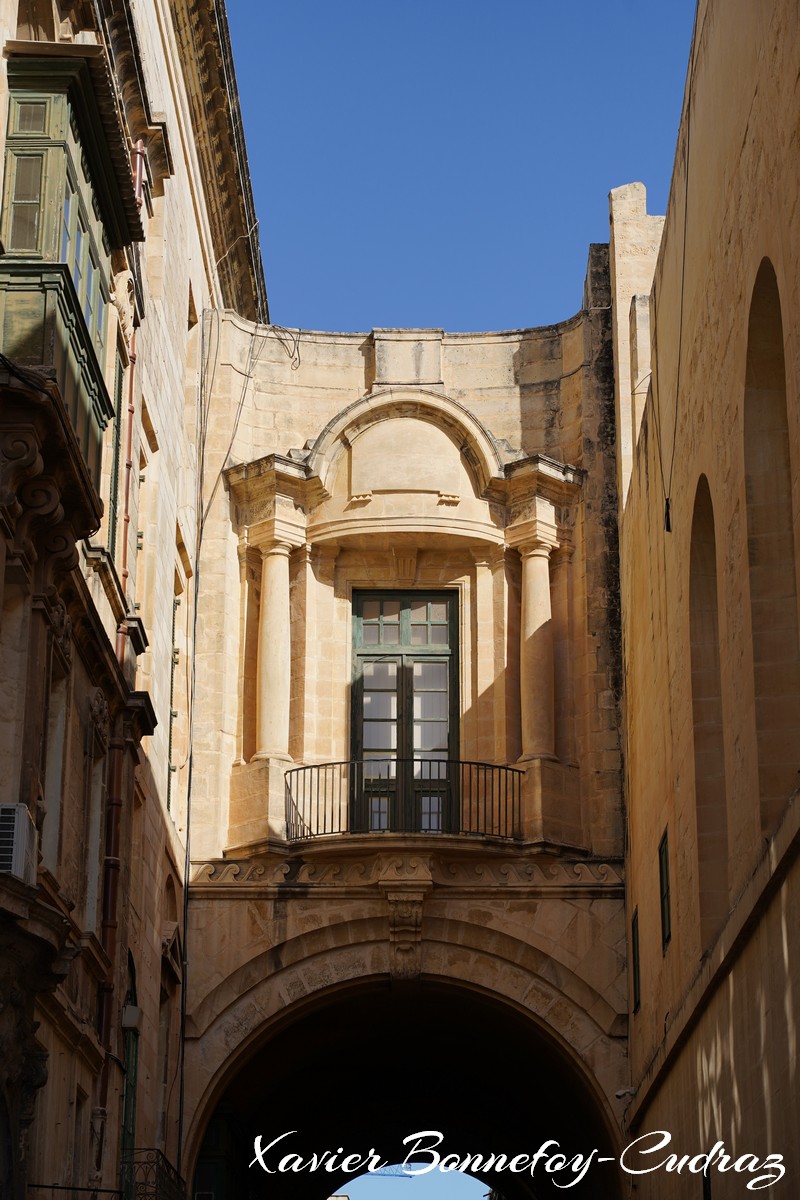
536 678
274 654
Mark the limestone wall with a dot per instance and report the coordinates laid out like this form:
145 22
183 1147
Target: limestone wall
715 1033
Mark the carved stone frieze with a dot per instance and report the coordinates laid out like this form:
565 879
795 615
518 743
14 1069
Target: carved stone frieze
533 876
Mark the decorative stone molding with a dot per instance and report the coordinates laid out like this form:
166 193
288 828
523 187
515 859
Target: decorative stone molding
124 299
20 460
61 626
405 562
99 715
540 876
405 932
47 499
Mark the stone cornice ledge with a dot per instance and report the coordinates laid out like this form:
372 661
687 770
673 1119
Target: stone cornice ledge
490 876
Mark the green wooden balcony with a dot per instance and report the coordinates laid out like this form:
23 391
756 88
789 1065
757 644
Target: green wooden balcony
42 325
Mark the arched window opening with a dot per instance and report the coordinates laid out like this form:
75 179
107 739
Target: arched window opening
770 544
707 722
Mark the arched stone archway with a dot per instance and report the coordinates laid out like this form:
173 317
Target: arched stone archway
516 990
366 1066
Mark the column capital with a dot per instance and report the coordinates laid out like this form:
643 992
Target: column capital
267 549
537 549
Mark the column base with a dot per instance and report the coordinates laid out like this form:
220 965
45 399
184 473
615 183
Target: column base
551 804
257 812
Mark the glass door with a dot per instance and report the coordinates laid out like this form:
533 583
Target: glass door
405 709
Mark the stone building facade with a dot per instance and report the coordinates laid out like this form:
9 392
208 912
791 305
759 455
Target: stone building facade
709 305
124 206
389 715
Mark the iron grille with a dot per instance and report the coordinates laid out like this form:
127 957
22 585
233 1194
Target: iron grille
394 795
149 1175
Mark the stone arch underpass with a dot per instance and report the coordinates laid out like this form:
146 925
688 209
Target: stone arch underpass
488 1023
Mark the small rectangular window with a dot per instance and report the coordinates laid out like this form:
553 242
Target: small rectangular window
663 878
91 283
77 267
635 975
31 117
26 202
66 224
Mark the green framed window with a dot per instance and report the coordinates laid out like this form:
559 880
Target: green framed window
405 712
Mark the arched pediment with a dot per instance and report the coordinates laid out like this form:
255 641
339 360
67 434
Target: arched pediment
414 457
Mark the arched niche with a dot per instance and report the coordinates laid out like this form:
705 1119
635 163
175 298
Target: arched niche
711 807
771 552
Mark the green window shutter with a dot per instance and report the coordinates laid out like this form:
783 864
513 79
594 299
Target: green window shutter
26 201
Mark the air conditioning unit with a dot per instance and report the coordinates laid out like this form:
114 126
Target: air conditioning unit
18 842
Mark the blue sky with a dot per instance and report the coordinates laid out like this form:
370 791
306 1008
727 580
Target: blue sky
435 1185
447 162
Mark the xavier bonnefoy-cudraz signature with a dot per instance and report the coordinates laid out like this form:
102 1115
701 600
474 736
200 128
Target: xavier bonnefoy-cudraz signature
650 1153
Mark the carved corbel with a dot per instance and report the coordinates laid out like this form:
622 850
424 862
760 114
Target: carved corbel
405 933
20 460
99 715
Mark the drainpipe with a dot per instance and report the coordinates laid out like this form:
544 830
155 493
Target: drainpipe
138 173
122 629
108 931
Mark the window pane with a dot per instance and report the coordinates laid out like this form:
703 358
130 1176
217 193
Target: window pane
380 735
26 202
419 635
430 735
371 634
380 706
91 276
379 812
439 611
376 767
65 227
77 272
431 814
419 612
391 634
391 608
380 675
439 635
430 706
31 117
430 676
101 316
371 610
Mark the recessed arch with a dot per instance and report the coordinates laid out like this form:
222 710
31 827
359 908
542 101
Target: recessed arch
354 1066
711 806
770 546
476 444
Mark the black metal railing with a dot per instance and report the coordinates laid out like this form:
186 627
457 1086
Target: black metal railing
396 795
149 1175
65 1191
